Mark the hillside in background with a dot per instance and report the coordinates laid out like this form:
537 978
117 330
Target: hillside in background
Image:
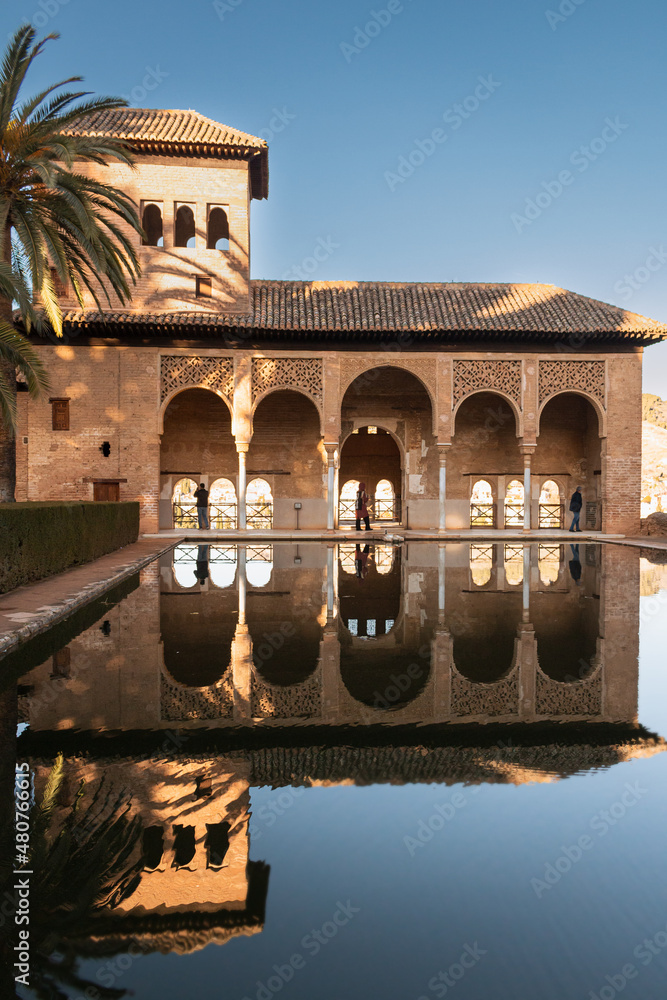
654 445
654 410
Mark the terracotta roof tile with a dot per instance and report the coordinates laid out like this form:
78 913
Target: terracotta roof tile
162 125
430 310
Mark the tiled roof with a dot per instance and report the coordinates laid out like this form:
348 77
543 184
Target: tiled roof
370 310
162 130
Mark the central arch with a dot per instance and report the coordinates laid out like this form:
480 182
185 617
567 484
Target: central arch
371 455
387 434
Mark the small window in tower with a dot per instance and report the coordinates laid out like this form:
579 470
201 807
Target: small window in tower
217 844
61 662
203 287
371 430
59 414
151 222
217 232
184 226
59 286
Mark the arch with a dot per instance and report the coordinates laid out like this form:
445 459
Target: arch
482 492
596 404
550 491
184 567
514 504
186 388
518 415
183 507
259 504
184 490
482 505
481 564
381 427
396 365
151 223
290 388
222 503
184 227
217 229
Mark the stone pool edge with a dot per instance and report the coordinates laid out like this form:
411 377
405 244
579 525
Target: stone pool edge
35 608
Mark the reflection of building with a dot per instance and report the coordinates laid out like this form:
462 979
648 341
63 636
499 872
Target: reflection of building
284 390
196 885
426 634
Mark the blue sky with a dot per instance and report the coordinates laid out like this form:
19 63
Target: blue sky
561 104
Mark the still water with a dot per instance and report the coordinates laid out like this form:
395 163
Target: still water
347 771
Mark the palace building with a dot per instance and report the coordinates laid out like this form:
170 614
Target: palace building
458 404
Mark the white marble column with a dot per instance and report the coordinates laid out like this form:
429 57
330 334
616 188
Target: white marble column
331 486
526 493
442 487
242 450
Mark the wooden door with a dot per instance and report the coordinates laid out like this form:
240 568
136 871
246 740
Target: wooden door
106 491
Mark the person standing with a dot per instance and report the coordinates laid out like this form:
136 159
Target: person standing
361 508
201 499
576 503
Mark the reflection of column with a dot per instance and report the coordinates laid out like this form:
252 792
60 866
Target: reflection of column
242 449
331 485
330 659
526 583
242 648
441 665
442 559
527 657
241 672
330 583
243 583
442 487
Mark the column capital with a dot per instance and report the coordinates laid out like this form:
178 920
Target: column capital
527 450
242 447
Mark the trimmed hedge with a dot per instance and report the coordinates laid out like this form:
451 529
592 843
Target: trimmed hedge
40 539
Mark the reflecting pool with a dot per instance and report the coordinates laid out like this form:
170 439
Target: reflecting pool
336 771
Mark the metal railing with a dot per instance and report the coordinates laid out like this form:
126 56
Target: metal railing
378 510
259 515
221 515
551 515
185 515
513 515
387 510
482 515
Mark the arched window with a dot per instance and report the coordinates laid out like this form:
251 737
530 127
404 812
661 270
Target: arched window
259 504
185 565
482 510
348 499
217 230
481 564
184 227
548 562
514 504
259 565
151 222
514 564
222 504
184 506
384 506
222 564
551 509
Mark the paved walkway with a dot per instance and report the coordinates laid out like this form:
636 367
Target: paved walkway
34 608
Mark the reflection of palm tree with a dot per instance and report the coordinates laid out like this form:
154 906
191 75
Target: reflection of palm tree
83 862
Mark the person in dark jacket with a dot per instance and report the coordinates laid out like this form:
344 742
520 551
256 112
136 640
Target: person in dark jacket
576 503
361 508
201 499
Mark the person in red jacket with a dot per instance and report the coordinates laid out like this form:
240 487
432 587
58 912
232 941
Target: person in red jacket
361 507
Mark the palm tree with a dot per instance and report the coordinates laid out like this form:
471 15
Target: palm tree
54 222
